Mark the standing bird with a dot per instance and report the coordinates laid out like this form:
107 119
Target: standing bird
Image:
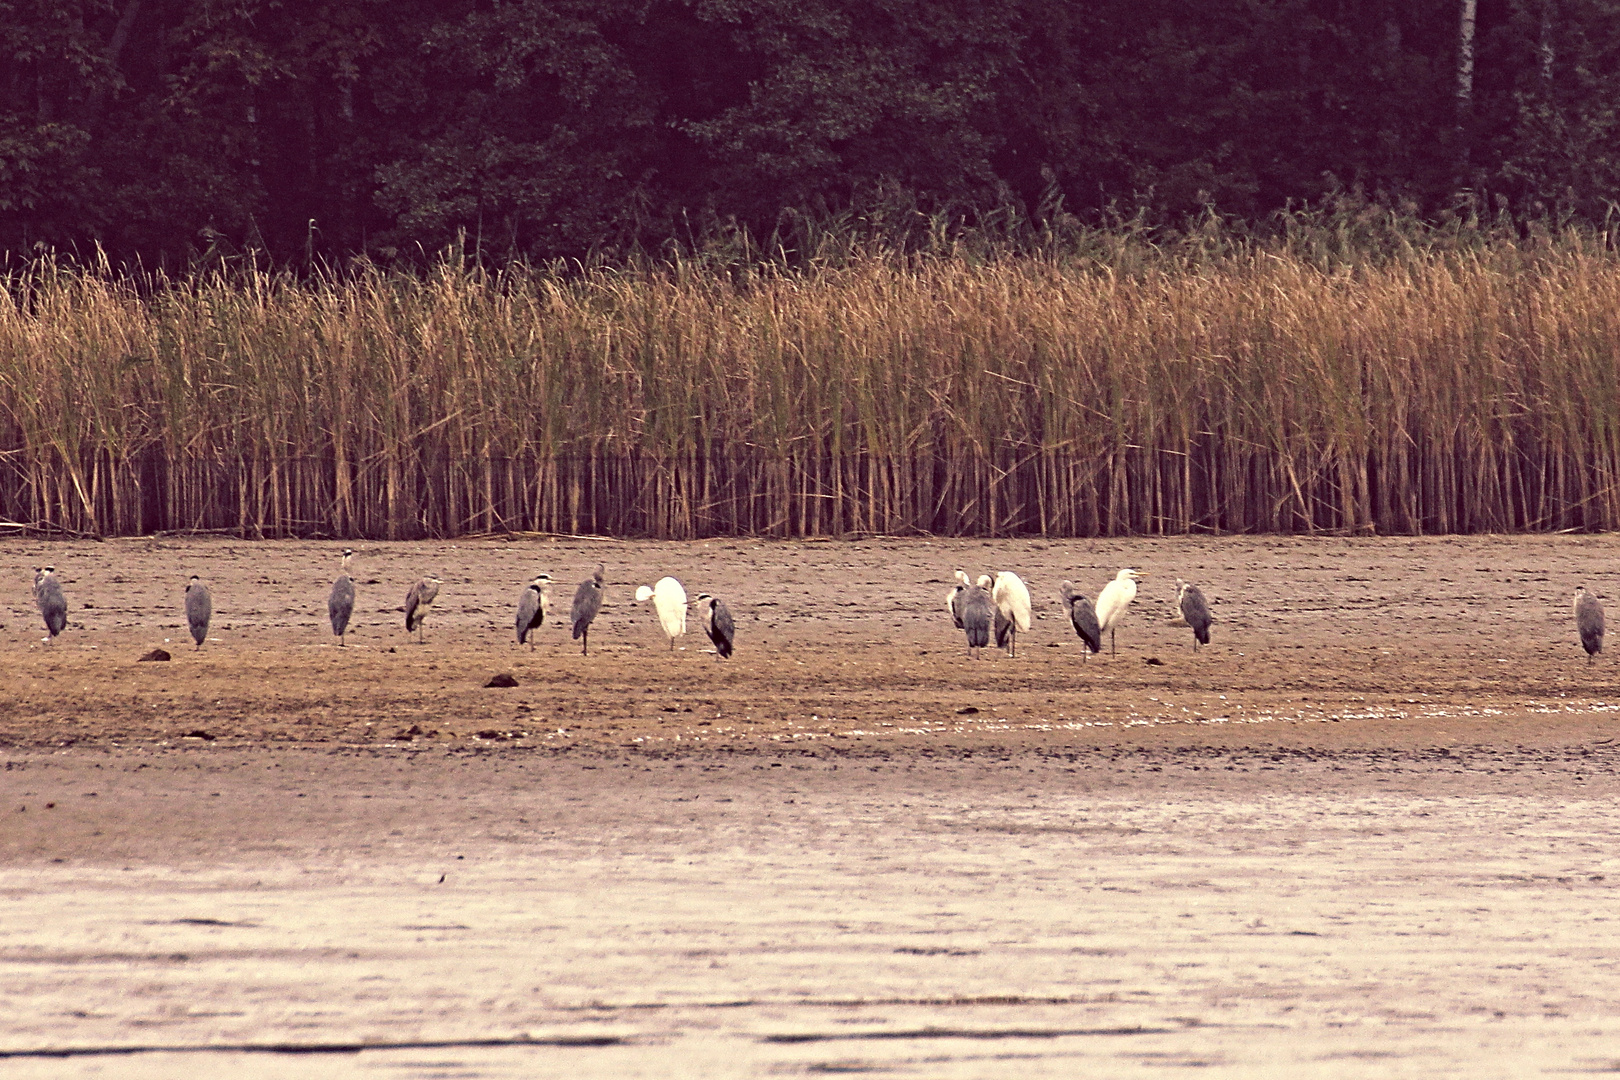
587 602
340 602
717 624
52 603
978 611
953 598
1012 610
1112 602
1194 611
417 602
199 609
1588 620
1084 617
669 601
532 607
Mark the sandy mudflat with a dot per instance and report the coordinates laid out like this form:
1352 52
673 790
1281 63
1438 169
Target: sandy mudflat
1369 832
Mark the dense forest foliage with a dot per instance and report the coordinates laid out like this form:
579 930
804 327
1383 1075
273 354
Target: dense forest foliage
173 131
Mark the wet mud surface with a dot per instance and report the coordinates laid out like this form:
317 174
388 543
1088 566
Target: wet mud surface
1368 832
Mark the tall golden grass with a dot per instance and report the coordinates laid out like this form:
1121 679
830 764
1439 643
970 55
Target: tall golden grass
1256 389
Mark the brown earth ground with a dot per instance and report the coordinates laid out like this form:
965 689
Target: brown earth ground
1367 832
1326 642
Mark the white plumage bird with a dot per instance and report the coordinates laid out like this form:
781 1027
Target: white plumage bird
669 601
1012 609
1113 600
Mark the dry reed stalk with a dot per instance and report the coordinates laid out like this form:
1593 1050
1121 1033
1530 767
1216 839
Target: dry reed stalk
1252 390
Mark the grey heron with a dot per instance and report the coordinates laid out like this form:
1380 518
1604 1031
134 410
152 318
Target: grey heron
1084 618
587 602
1589 621
669 601
52 603
340 601
531 611
953 597
1194 611
417 602
1113 600
1011 596
717 623
978 612
199 609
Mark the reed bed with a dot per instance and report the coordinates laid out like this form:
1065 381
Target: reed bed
1255 390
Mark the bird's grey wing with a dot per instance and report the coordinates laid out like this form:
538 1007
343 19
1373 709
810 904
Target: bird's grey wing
1084 617
528 608
977 612
724 630
413 600
199 605
340 604
587 602
1589 618
953 604
1193 606
53 605
723 623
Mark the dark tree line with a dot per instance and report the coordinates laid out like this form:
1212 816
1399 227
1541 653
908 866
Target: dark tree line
168 129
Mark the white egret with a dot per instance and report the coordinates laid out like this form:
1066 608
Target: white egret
669 601
1012 610
1113 600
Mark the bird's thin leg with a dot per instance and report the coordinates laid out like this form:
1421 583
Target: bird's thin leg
585 643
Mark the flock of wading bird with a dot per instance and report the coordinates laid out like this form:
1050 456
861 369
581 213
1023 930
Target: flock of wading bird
987 607
668 598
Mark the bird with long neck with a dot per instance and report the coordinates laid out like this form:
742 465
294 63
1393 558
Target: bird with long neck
51 600
1589 622
669 601
953 597
417 602
199 609
532 605
1194 612
1011 597
1084 617
587 603
978 613
340 601
1112 602
718 624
